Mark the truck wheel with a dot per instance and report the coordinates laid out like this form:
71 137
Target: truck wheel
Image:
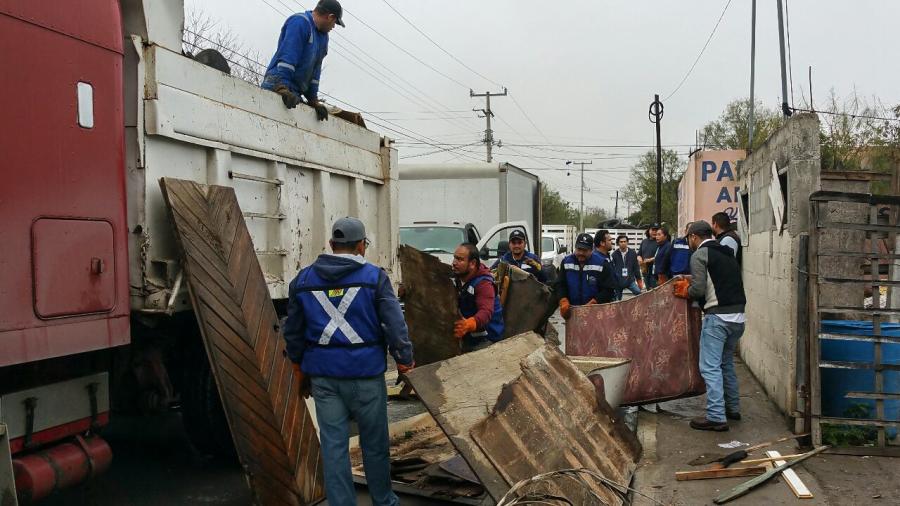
201 409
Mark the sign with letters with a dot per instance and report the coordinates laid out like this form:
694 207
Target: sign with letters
709 186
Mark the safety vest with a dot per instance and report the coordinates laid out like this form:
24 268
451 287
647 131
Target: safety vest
493 331
583 281
680 261
342 330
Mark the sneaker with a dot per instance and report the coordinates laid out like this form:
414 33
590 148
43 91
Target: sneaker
702 423
733 415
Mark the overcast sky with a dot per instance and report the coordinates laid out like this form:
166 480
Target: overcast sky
585 75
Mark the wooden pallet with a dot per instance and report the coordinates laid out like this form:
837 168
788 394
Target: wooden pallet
272 429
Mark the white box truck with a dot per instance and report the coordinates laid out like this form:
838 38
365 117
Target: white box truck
444 204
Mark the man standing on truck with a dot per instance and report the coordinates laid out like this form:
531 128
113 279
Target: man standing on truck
342 314
481 324
585 277
521 258
296 67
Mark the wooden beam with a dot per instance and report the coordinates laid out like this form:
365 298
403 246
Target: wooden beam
746 487
790 476
728 472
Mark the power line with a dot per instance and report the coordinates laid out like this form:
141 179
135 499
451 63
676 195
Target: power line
448 53
847 114
713 32
522 110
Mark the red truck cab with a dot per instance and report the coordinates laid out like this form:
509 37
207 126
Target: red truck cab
63 234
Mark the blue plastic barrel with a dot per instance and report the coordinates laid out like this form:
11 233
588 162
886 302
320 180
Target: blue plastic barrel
836 383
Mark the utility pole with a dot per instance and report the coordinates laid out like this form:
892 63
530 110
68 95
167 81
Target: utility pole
752 76
785 108
581 209
488 114
616 212
656 115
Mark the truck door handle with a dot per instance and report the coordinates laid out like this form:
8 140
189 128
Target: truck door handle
96 266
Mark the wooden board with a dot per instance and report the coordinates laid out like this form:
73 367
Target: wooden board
430 306
271 427
658 331
528 303
459 392
790 477
550 419
728 472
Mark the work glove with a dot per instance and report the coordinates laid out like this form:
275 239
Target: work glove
681 288
289 98
565 308
640 283
321 111
534 263
403 369
303 380
463 327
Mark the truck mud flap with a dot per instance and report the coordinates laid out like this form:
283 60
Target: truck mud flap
272 429
659 332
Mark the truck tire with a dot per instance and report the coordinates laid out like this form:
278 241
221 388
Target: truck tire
201 409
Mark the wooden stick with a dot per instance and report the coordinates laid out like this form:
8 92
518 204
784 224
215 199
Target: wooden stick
749 485
729 472
790 477
770 459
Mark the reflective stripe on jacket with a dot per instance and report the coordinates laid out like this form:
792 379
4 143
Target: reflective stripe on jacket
493 331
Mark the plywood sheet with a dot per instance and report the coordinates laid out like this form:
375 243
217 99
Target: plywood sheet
271 427
461 391
658 331
430 305
550 419
527 302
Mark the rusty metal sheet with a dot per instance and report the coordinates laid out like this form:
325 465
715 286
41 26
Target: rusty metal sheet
550 419
430 305
527 303
520 376
658 331
461 391
271 427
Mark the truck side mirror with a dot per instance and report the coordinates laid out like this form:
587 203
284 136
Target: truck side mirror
484 253
502 248
563 249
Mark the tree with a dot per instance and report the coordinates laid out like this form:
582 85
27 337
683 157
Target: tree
729 131
201 32
593 216
558 211
641 188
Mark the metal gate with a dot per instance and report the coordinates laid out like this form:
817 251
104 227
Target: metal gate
838 325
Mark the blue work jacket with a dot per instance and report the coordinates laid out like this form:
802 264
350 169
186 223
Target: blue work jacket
297 62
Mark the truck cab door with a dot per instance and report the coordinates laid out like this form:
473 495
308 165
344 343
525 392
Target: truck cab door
496 241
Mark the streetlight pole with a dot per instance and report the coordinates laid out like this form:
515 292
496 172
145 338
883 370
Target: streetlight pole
581 208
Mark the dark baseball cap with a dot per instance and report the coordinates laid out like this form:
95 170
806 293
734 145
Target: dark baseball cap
584 241
701 228
348 230
332 7
654 225
516 235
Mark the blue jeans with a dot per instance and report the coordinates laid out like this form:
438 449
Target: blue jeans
718 341
364 400
633 288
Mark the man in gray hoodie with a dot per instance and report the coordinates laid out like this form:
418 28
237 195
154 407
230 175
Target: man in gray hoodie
342 316
715 283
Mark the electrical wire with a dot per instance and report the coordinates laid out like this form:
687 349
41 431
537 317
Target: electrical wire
713 32
448 53
854 116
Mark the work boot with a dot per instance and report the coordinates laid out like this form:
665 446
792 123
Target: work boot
702 423
733 415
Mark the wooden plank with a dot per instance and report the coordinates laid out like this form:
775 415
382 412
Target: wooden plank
790 477
746 487
550 419
461 391
868 227
271 427
873 395
728 472
853 337
859 198
430 305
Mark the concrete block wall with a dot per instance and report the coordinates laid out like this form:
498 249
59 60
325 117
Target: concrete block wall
769 345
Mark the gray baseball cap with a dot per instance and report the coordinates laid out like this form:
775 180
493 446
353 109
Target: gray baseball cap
348 230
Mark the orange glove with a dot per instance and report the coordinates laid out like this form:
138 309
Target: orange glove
403 369
303 380
681 288
640 283
565 308
591 302
463 327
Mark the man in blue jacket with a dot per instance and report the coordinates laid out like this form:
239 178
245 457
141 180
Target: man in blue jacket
680 255
296 67
625 261
342 314
663 256
521 258
585 277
